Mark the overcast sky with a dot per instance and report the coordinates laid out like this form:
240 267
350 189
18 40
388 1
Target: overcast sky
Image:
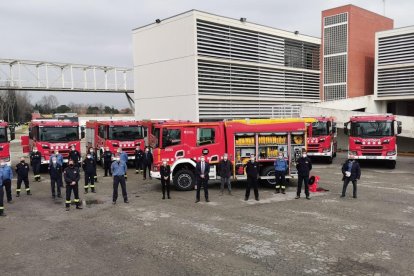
99 31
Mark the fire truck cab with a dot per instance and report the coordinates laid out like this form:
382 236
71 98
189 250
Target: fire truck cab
322 141
114 135
6 135
50 135
373 137
182 145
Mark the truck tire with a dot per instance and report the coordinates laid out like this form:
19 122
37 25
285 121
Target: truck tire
184 180
269 171
391 164
329 159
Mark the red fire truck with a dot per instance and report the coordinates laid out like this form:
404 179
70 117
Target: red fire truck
115 134
182 144
48 135
373 137
5 141
322 142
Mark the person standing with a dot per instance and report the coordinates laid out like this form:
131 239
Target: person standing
225 169
147 161
35 162
165 172
75 156
2 214
252 171
139 154
55 171
351 173
107 156
280 172
7 173
22 170
202 175
71 175
94 157
304 166
119 169
89 167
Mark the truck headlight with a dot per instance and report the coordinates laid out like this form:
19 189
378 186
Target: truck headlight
327 150
391 153
45 146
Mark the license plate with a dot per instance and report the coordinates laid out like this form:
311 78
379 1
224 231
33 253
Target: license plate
370 157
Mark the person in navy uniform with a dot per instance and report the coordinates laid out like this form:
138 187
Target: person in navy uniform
304 166
139 155
55 171
147 161
351 173
119 169
165 172
107 156
22 170
75 156
202 175
35 162
252 172
72 176
89 167
94 157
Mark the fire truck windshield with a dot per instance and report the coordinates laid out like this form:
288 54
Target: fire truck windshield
320 129
371 129
58 134
3 135
125 133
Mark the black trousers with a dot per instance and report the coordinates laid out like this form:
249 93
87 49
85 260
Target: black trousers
36 169
69 189
147 166
107 168
305 181
165 184
138 164
19 184
346 182
202 182
119 179
1 200
55 181
7 186
252 183
280 180
89 178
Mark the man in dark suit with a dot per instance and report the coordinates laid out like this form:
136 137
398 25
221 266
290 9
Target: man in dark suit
351 173
202 171
147 160
165 172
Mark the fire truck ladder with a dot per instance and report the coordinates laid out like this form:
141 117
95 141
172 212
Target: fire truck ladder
29 75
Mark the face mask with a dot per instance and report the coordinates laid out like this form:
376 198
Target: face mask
225 158
280 156
54 161
88 156
117 159
164 164
252 159
73 149
304 155
91 151
56 153
34 150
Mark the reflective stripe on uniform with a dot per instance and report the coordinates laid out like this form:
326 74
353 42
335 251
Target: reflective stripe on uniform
277 187
28 189
1 208
18 190
86 186
283 187
38 175
92 186
68 201
76 200
95 176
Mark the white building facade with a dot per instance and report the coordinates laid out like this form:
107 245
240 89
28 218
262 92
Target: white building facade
198 66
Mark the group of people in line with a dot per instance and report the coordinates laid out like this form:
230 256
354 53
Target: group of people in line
116 166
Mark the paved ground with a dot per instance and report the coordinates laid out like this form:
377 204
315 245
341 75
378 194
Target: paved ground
373 235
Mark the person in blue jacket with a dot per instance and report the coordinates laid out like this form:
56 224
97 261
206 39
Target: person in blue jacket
1 195
123 156
280 172
7 172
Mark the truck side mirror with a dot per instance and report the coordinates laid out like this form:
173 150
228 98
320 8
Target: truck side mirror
346 128
12 135
399 127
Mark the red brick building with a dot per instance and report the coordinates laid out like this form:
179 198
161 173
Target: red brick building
348 51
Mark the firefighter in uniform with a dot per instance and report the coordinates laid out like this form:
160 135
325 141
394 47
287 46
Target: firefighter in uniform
139 154
7 172
123 156
147 163
89 167
252 170
165 172
22 170
55 171
280 172
119 169
304 166
71 175
107 156
35 162
75 156
1 196
94 157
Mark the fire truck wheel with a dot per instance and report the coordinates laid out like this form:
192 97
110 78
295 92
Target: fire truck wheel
269 171
329 160
391 164
184 180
